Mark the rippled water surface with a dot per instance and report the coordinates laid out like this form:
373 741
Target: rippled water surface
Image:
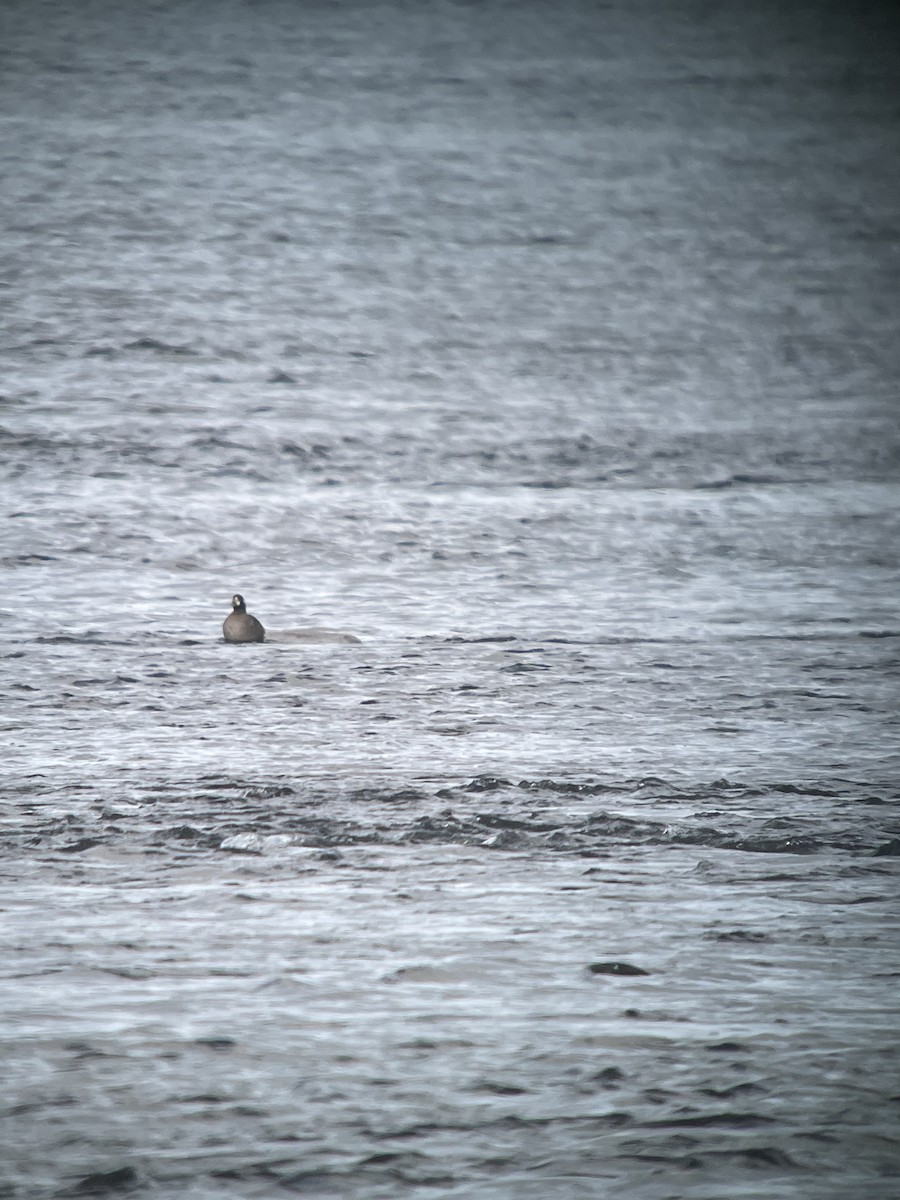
548 351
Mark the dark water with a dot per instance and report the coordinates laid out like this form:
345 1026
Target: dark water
550 351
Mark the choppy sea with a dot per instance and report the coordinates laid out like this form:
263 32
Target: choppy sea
549 352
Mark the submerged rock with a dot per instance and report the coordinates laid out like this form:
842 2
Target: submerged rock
106 1183
615 968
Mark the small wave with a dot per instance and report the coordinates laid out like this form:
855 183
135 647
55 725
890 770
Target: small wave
488 813
156 346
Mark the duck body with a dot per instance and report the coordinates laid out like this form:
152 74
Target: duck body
241 626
